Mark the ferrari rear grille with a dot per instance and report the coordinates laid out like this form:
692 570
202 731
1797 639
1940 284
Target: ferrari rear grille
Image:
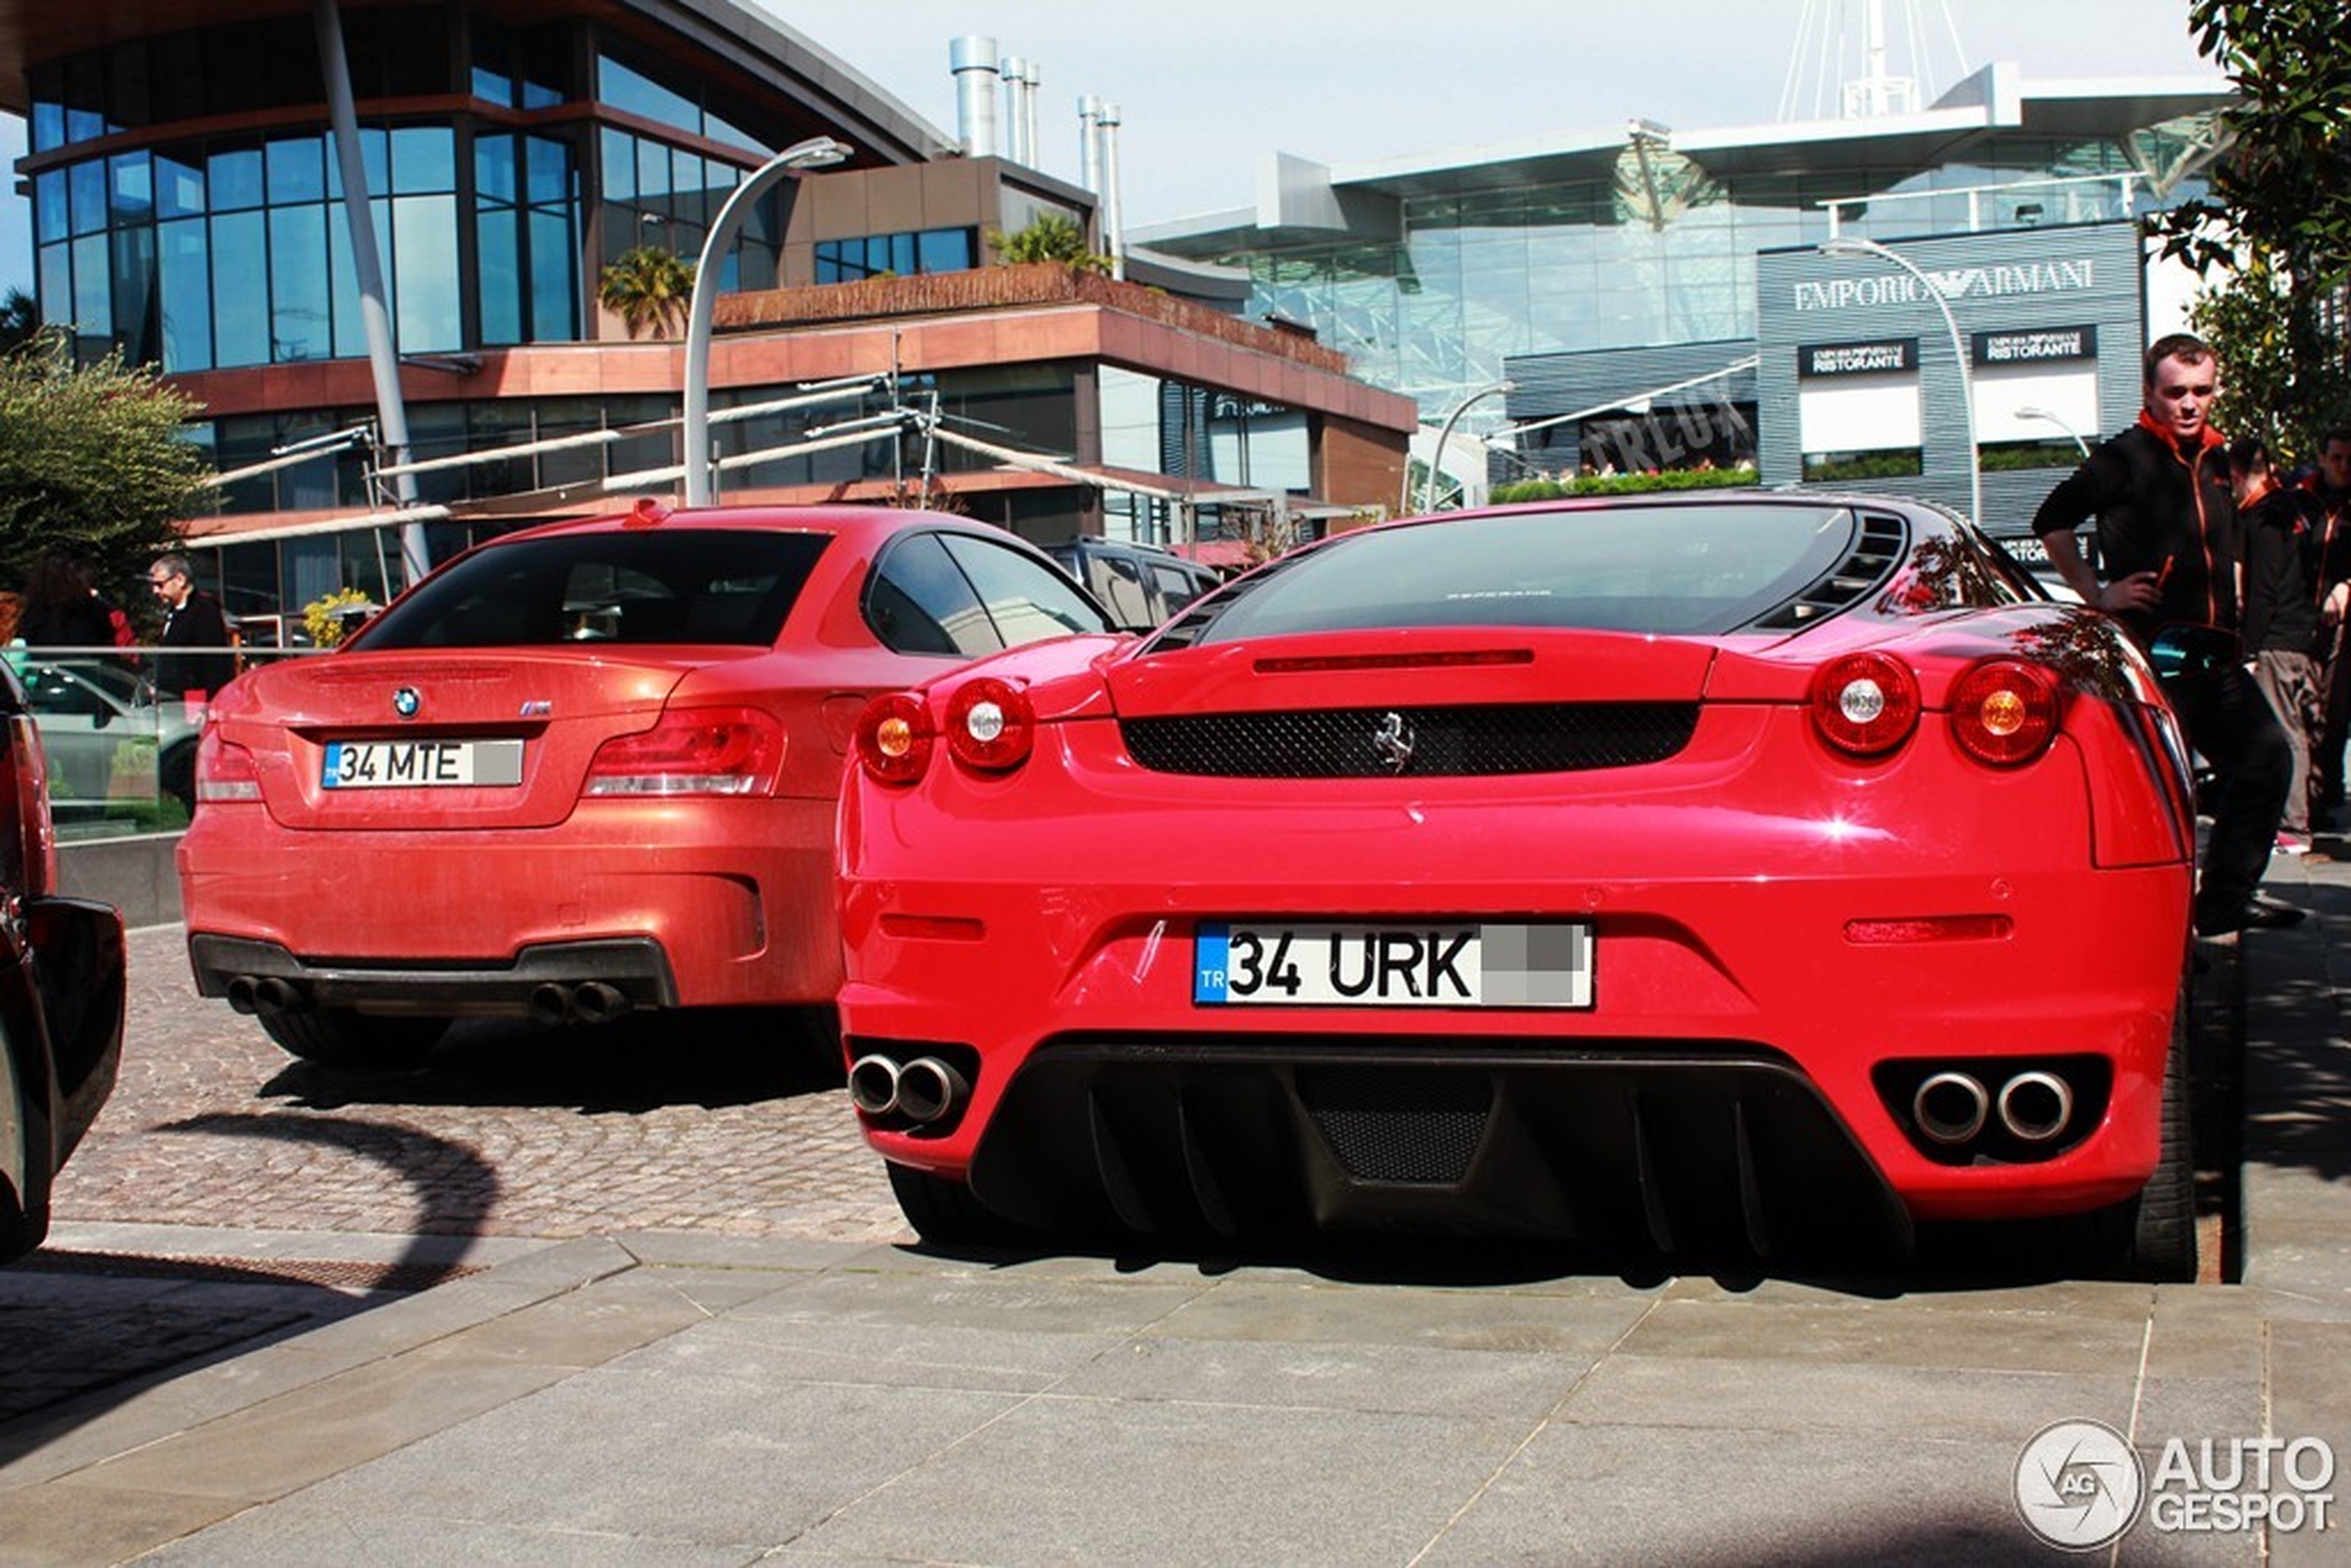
1413 742
1389 1126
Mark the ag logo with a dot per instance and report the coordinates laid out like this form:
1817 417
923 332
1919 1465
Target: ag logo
2078 1485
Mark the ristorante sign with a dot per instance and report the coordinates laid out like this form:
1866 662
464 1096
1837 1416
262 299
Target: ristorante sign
1858 359
2002 281
2032 347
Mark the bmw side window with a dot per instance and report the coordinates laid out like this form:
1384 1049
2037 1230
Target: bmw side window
1028 602
918 601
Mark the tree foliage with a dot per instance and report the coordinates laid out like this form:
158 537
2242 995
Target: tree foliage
91 464
1048 236
650 289
2274 233
20 320
2282 183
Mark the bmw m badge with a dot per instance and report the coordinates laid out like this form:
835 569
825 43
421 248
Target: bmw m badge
404 701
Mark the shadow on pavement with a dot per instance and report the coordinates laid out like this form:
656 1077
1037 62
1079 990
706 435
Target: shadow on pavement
84 1331
711 1057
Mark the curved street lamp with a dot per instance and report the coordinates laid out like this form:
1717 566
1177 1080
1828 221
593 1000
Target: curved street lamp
1850 245
2033 412
1444 434
817 152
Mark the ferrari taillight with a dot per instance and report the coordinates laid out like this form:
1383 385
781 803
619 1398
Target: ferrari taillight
894 738
990 725
2004 712
33 845
225 771
1865 704
692 751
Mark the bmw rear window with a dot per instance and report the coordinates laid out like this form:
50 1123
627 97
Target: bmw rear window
1679 570
728 587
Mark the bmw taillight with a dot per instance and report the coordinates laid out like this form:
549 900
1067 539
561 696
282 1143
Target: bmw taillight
990 725
693 752
1865 704
2004 712
225 771
894 738
33 845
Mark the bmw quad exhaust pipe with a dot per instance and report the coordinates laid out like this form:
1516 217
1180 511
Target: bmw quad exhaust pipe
2035 1107
1950 1108
263 993
590 1002
873 1085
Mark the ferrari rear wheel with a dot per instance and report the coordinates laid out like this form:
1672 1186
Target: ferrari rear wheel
2156 1229
336 1037
943 1211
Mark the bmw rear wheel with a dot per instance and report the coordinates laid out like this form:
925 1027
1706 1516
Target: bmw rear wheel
336 1037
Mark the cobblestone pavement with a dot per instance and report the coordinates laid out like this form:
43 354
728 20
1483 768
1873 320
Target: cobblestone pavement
734 1124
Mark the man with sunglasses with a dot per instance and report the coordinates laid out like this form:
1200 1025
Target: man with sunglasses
2169 539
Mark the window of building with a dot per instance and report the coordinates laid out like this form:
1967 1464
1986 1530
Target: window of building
897 256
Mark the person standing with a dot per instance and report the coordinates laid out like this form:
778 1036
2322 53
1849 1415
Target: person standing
2329 489
2167 536
192 621
2282 592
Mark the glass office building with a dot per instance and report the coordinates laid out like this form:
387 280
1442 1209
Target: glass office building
1439 277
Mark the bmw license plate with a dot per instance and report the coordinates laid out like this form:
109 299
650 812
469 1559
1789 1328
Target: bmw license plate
1313 965
410 765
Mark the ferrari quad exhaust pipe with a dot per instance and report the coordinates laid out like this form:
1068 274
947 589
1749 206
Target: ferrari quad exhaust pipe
873 1085
929 1089
2035 1107
1950 1108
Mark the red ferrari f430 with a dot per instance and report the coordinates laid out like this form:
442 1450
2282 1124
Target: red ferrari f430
1736 872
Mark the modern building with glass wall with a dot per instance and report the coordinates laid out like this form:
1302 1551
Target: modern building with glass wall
188 208
1641 287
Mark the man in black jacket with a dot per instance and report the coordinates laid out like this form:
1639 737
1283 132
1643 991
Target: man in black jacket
2168 535
2282 594
191 620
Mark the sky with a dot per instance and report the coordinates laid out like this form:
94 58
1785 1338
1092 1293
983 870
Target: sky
1206 88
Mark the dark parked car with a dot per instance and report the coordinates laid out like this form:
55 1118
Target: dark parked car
1140 584
61 990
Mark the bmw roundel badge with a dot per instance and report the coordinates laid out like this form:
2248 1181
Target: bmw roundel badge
404 701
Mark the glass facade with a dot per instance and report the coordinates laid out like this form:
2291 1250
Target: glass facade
1658 250
227 250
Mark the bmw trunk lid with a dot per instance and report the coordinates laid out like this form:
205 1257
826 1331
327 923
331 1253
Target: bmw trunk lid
419 741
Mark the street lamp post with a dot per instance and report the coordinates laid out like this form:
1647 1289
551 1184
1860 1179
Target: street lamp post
815 153
2032 412
1444 434
1854 245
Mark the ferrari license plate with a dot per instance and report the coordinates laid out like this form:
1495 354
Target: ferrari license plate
410 765
1313 965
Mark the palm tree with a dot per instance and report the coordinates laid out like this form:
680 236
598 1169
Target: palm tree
1049 236
648 288
19 319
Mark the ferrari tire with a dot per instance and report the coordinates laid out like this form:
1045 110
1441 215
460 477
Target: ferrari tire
2156 1232
943 1211
336 1037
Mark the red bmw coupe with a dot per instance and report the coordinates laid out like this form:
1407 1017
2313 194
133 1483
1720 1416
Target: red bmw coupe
1741 871
578 770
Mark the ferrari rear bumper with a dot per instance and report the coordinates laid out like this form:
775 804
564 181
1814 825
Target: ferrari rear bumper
1697 1152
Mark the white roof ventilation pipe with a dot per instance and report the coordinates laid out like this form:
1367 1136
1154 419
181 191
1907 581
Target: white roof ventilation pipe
1021 80
973 61
1112 225
1089 146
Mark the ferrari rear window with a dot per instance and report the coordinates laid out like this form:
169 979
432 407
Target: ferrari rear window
1678 570
722 586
